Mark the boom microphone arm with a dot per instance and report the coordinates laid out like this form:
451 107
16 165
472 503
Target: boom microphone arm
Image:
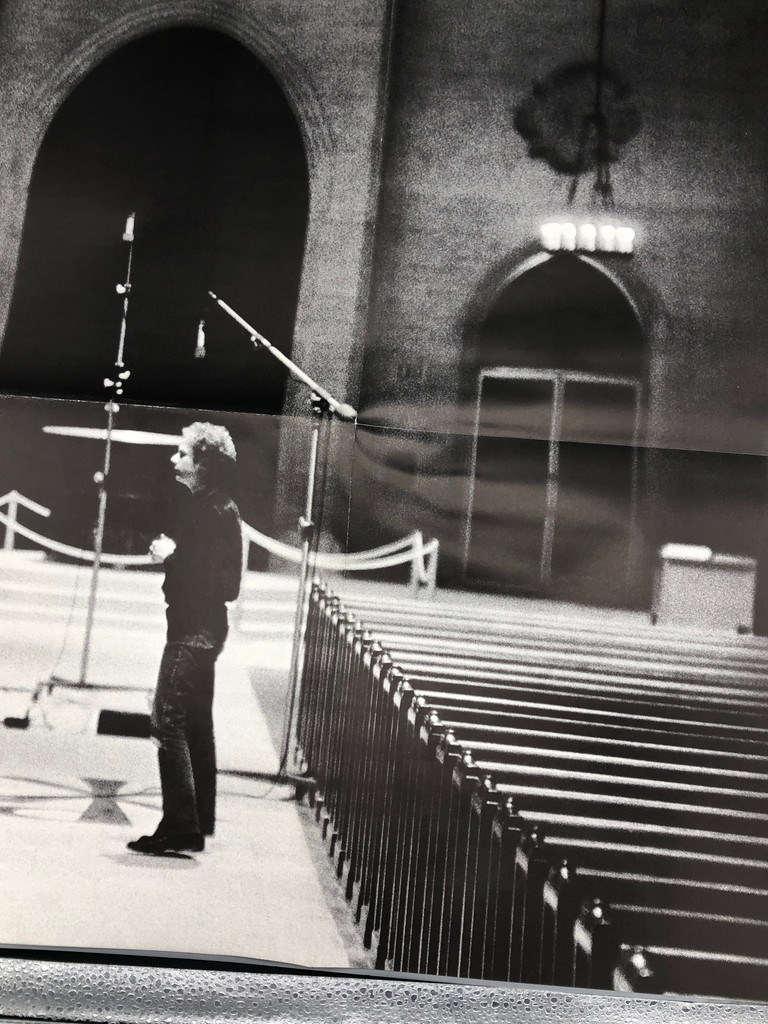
340 409
324 407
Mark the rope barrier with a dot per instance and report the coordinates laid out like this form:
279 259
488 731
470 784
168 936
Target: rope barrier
407 549
411 548
67 549
373 563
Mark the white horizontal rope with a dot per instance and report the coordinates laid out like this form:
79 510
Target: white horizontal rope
67 549
408 549
375 558
373 563
20 499
293 554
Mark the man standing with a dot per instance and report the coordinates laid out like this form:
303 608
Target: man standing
203 568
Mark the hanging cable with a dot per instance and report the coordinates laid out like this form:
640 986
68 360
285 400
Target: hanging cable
594 132
73 603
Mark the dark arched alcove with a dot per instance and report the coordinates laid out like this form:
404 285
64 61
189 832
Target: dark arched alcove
190 130
562 313
556 371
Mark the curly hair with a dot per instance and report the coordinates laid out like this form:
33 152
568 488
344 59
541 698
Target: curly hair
214 452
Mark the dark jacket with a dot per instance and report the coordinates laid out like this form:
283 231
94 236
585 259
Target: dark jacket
204 571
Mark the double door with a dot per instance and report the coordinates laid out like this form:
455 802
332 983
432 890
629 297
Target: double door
553 489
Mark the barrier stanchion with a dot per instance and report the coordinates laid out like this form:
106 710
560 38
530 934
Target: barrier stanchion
432 556
422 557
406 550
417 565
12 500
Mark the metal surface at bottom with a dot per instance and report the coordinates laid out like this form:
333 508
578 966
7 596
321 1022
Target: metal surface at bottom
34 990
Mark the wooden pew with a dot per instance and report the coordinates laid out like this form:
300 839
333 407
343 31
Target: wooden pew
602 929
469 902
437 841
656 711
485 860
746 653
664 970
569 887
667 671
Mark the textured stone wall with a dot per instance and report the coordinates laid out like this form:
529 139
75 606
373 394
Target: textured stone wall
459 211
463 202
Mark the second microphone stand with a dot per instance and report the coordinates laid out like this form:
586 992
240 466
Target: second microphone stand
101 477
324 407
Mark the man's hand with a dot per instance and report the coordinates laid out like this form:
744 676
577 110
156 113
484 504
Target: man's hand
161 547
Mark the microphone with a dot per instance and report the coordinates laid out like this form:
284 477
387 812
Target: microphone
200 348
130 224
346 412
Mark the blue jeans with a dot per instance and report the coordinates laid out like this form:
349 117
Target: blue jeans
182 723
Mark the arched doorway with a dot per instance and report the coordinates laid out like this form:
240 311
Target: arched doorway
187 128
560 367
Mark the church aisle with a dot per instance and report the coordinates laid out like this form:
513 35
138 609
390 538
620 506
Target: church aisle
70 799
66 880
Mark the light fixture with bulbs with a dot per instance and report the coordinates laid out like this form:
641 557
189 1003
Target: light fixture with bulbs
566 236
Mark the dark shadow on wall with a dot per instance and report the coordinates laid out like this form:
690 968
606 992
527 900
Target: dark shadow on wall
186 128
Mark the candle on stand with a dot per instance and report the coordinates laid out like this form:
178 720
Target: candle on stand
568 231
607 235
550 236
625 240
587 237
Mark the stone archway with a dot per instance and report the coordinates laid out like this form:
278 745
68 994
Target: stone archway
336 84
63 66
206 150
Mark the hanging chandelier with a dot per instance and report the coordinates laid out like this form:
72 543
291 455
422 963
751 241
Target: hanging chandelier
579 117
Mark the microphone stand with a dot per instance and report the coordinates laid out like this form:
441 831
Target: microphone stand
324 406
101 476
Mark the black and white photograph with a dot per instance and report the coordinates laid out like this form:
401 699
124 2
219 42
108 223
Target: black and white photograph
383 489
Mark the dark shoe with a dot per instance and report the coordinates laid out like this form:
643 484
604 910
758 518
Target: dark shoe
143 844
187 842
